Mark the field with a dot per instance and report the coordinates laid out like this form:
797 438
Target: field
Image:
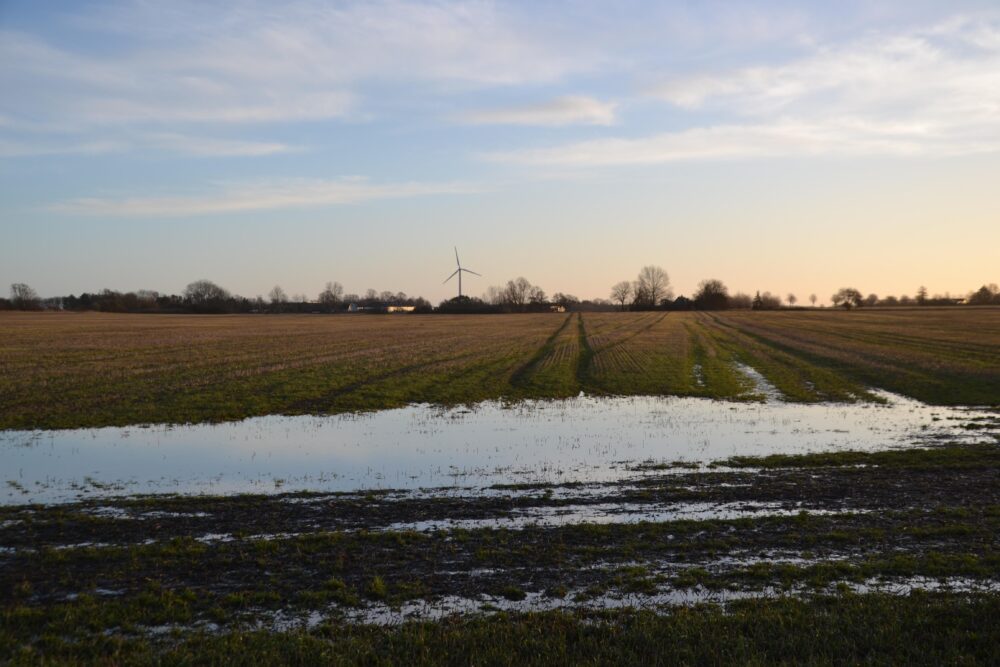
888 557
88 370
837 555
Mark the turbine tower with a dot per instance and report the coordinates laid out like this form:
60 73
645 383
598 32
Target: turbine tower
458 272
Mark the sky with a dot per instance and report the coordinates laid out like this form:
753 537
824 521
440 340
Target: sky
789 147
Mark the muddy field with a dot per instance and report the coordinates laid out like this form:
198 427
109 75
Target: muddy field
155 571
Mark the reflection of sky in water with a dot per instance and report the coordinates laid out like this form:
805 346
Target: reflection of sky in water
419 446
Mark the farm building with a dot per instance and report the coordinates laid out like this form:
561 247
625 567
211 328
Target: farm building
380 308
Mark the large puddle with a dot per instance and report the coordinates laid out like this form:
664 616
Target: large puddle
579 439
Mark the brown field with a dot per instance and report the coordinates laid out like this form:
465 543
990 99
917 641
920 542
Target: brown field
61 370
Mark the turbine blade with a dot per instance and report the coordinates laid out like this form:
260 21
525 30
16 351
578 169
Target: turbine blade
473 273
451 276
458 263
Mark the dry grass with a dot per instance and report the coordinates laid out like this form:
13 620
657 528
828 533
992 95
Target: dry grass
72 370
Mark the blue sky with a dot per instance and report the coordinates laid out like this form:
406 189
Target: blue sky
789 147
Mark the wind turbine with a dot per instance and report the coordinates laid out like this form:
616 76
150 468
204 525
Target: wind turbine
458 272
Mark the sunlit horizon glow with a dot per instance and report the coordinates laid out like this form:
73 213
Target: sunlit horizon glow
777 146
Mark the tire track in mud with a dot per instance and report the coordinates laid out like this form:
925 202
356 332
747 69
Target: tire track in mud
718 377
324 402
624 339
523 375
586 356
864 374
810 381
585 366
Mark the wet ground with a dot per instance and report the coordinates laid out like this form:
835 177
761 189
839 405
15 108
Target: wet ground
585 506
893 521
583 439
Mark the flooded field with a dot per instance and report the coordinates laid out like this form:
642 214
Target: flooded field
573 514
770 487
582 439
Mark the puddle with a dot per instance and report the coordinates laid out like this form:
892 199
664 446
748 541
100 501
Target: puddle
454 605
614 513
762 387
582 439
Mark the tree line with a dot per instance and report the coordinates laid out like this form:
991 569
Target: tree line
519 295
651 290
205 296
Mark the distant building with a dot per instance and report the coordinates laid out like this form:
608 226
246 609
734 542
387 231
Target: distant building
557 308
380 308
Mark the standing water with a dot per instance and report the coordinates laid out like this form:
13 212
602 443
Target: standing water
422 446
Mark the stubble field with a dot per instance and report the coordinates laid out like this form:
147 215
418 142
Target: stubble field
87 370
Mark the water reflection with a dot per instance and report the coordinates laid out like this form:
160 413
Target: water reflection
579 439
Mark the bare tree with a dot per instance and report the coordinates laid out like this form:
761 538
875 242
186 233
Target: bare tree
23 297
848 297
536 295
331 295
712 294
653 286
494 295
639 298
792 299
740 301
812 300
984 296
206 296
921 296
278 298
620 293
765 301
517 292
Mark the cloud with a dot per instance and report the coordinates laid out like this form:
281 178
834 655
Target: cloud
776 139
259 196
931 92
247 66
567 110
167 142
9 149
244 63
76 90
209 147
882 73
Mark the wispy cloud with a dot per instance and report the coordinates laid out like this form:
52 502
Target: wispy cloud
950 64
259 196
567 110
9 149
245 64
844 137
198 146
211 147
925 92
78 90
